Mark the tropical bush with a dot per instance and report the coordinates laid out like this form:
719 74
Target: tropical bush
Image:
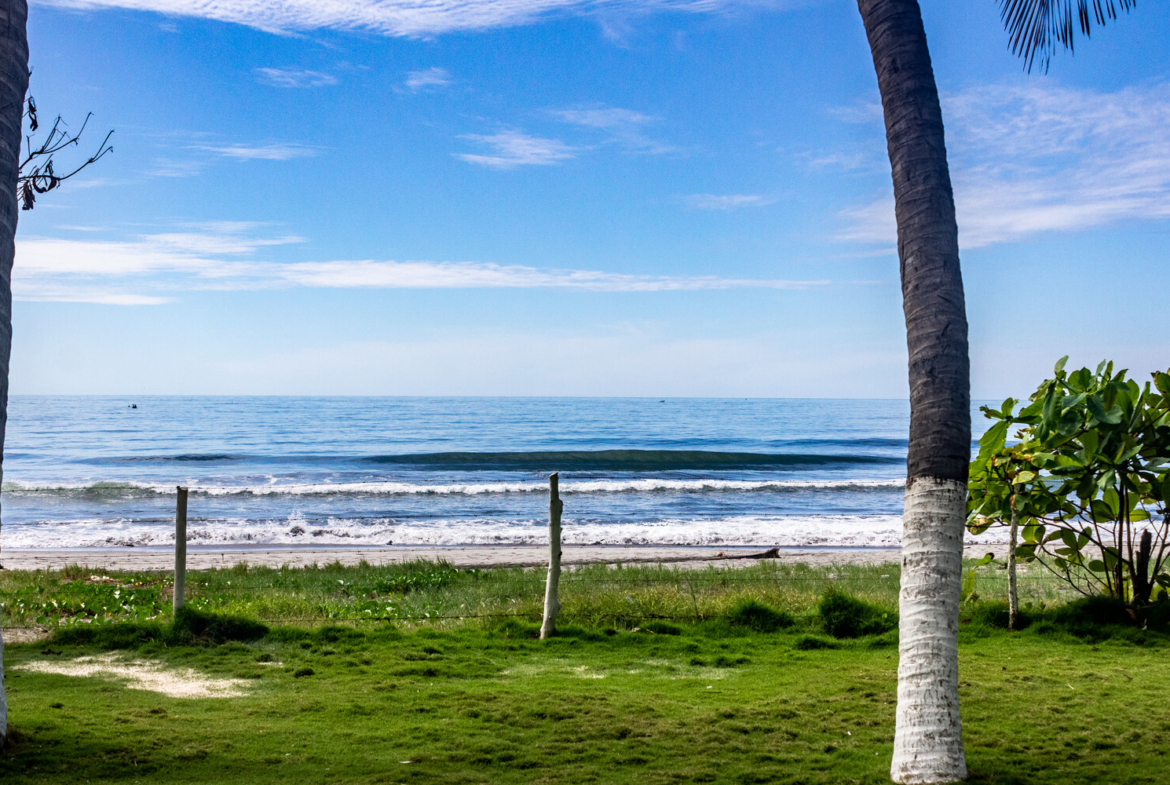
1087 479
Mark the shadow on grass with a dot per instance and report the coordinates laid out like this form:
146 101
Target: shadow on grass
190 627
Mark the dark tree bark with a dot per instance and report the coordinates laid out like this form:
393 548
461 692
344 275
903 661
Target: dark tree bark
928 746
13 86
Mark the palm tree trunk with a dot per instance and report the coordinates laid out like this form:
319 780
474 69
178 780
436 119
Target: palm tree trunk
13 85
928 742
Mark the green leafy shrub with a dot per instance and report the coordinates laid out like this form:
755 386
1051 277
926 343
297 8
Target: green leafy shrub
843 616
1085 482
758 616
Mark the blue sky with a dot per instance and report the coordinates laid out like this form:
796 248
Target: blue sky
558 197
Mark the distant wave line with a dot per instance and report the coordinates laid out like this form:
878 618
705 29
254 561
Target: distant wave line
386 488
559 460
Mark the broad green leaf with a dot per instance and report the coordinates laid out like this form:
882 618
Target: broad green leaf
1057 369
1090 440
994 438
1112 498
968 586
1096 565
1096 408
1073 401
1005 410
978 525
1101 511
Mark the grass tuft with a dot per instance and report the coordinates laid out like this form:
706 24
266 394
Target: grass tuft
758 616
192 626
845 616
814 642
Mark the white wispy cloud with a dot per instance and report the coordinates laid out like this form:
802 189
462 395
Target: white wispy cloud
725 201
603 117
476 275
261 152
512 149
1038 158
430 78
403 17
294 77
174 167
625 127
222 257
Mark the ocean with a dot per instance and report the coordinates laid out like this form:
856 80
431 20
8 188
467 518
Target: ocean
93 471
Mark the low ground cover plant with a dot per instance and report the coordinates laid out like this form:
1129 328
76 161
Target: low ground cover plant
444 596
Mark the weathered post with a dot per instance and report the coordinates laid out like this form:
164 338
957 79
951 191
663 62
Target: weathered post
552 603
180 548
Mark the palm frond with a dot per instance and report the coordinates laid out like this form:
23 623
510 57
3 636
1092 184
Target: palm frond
1036 27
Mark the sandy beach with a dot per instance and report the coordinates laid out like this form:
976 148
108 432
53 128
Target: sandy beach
501 556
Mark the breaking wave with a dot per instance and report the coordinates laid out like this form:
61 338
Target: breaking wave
855 531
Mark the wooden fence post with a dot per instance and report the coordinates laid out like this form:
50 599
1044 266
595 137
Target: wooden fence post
180 548
552 603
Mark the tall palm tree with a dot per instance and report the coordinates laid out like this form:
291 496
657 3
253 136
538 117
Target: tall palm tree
928 741
13 86
1035 27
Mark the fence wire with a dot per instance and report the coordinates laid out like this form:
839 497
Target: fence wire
328 605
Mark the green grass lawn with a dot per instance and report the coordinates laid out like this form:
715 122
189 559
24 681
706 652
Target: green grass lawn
483 702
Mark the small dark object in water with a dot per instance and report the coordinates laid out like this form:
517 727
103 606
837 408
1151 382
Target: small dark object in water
662 401
133 406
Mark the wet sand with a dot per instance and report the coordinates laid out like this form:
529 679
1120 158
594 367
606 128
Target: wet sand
493 556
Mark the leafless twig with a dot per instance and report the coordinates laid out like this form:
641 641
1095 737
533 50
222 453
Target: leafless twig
37 175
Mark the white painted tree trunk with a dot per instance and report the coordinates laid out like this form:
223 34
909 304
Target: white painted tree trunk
552 602
1013 592
928 742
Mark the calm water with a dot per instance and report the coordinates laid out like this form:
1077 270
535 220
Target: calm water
91 471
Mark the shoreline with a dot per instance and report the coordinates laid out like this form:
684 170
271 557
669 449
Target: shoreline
202 558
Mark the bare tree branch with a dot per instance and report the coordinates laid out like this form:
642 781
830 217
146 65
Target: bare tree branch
37 175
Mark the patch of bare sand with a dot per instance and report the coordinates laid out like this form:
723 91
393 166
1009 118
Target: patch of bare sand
25 634
144 675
